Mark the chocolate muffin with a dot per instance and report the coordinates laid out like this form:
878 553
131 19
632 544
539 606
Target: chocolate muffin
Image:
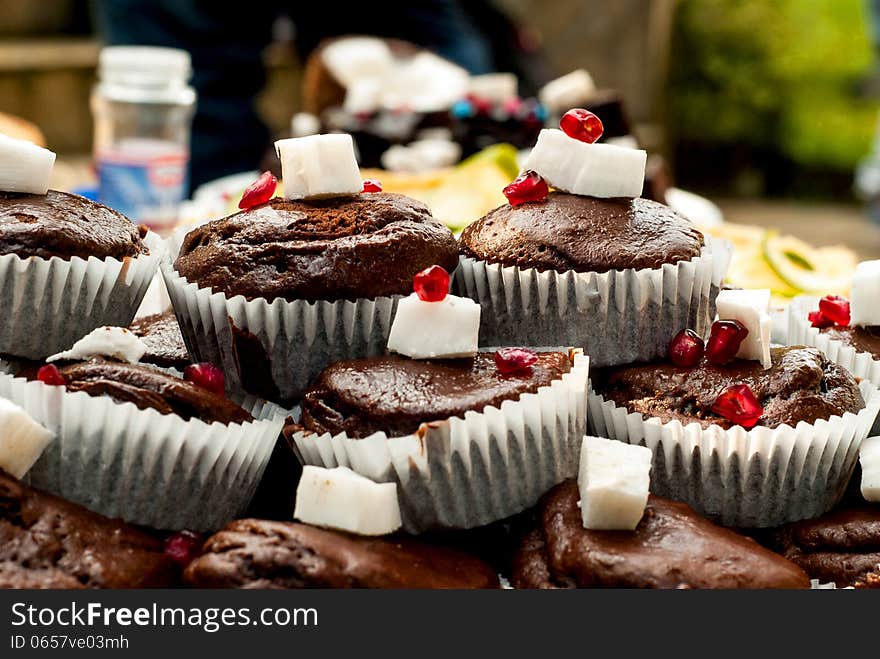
65 225
801 385
582 234
842 546
358 246
161 334
252 553
147 388
861 339
672 547
396 395
47 542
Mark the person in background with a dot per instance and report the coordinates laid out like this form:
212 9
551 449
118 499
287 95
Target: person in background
226 41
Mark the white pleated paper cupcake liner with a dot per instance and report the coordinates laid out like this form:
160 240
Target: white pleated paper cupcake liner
145 467
49 304
467 472
617 317
756 478
275 349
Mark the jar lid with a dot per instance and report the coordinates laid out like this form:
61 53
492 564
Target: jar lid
144 65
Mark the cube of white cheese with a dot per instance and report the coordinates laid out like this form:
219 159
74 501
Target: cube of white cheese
435 330
864 304
319 166
614 481
869 459
22 440
344 500
752 309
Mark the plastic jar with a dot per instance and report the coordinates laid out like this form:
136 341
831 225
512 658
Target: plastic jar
143 106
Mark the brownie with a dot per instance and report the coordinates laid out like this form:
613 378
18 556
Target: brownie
161 334
583 234
147 388
862 339
47 542
65 225
396 395
357 246
842 546
252 553
801 385
672 547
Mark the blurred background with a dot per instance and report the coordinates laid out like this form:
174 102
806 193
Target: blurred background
768 108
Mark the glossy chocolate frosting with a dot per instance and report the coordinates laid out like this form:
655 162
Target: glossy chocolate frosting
862 339
358 246
47 542
396 394
149 388
802 385
161 334
252 553
672 547
65 225
584 234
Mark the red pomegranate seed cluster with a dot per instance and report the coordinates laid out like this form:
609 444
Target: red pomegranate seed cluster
724 341
833 310
372 185
526 187
738 405
206 375
259 192
515 361
686 348
431 284
49 374
183 547
582 125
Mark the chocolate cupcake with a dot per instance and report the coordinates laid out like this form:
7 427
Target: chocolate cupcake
467 443
67 265
161 334
789 460
253 553
672 547
278 291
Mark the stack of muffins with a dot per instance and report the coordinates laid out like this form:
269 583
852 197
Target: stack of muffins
357 313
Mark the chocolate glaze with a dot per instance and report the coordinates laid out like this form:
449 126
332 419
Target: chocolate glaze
672 547
359 246
161 334
584 234
396 395
148 388
863 339
842 546
801 385
46 542
65 225
251 553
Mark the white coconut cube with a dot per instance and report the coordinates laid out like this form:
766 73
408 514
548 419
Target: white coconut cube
568 91
319 166
24 166
494 87
614 482
428 330
341 499
751 308
22 440
869 459
864 304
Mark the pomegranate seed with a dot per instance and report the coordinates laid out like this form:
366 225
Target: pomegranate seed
480 105
724 340
818 319
49 374
431 284
738 404
582 125
835 309
686 348
372 185
528 186
515 361
512 106
259 192
206 375
183 547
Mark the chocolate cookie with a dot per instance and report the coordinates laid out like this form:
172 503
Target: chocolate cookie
65 225
583 234
396 395
802 385
358 246
672 547
161 334
842 546
46 542
252 553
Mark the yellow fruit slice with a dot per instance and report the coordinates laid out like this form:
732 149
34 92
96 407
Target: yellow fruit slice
809 269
